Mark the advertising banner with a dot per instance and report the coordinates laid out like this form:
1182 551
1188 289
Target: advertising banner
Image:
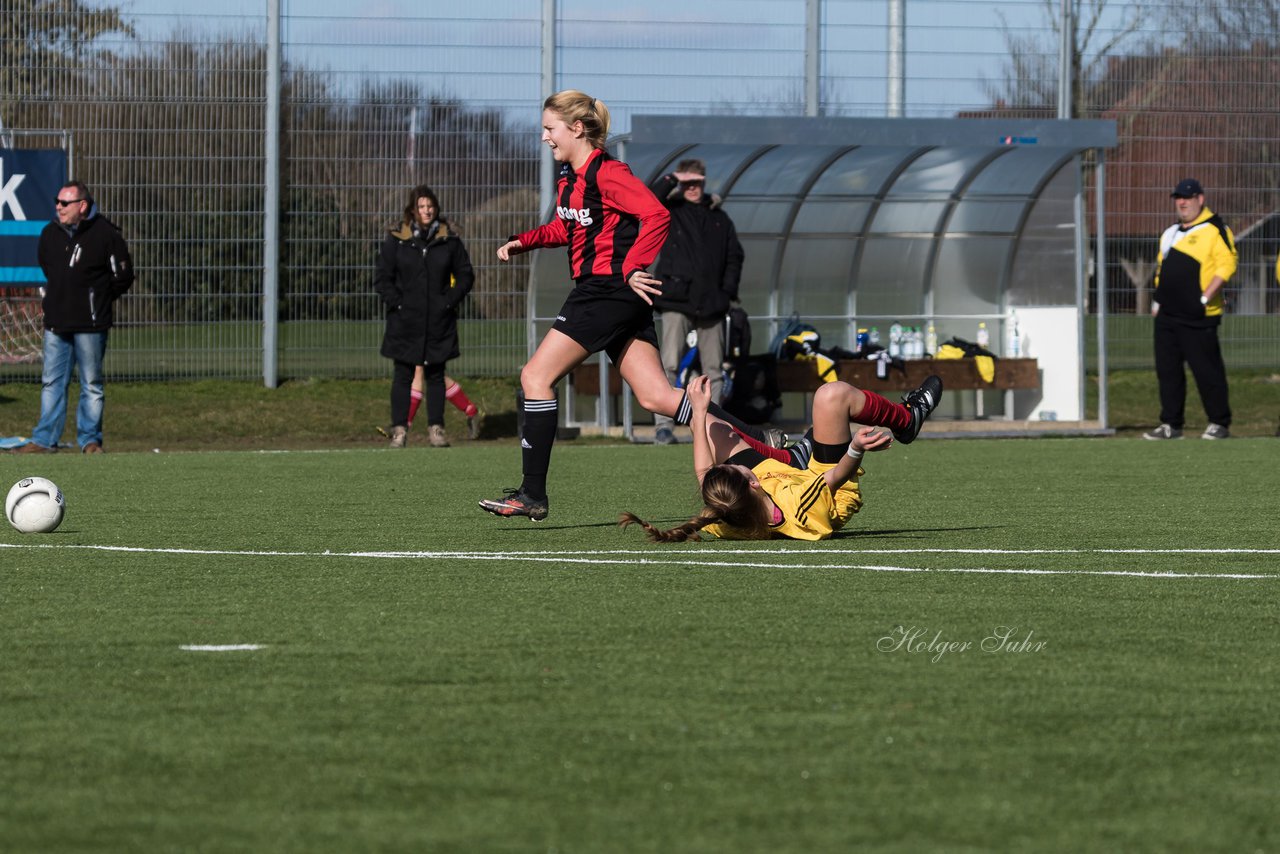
29 182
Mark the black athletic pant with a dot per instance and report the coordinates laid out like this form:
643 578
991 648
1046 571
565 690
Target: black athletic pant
402 385
1197 346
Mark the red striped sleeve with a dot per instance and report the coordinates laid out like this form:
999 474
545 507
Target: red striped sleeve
623 192
551 234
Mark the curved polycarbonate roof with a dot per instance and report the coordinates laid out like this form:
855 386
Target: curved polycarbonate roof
881 232
915 185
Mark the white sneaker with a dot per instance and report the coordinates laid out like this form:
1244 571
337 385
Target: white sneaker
399 437
1215 431
436 437
1164 431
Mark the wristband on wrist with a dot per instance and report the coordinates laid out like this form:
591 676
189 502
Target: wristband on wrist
856 456
1204 299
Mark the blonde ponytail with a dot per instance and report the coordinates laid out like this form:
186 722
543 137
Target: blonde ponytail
573 106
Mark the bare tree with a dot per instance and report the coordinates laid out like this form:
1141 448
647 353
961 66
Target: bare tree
38 38
1030 76
1230 24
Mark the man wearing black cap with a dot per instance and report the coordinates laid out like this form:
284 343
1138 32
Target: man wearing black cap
1197 256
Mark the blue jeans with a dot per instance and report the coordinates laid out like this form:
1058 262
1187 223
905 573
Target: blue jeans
62 352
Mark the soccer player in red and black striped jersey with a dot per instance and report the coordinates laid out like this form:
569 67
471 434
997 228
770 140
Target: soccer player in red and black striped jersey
613 226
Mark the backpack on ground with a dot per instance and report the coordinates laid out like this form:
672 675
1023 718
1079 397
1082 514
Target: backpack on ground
752 392
737 334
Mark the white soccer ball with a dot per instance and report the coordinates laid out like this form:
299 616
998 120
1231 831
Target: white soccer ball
35 505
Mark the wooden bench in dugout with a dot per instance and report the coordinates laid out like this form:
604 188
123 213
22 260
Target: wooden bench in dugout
802 376
956 374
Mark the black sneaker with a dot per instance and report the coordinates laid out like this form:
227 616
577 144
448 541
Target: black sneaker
774 437
516 503
921 402
1164 431
1215 431
801 452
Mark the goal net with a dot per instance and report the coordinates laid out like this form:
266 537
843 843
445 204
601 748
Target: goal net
21 326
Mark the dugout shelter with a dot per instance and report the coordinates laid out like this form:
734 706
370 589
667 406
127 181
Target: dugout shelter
859 223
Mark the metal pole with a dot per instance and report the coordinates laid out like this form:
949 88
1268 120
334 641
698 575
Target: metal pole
411 144
271 203
546 178
1066 45
1082 259
897 59
546 175
1101 274
812 56
604 403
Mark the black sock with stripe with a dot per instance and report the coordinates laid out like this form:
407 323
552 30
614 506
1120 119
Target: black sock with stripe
684 414
540 420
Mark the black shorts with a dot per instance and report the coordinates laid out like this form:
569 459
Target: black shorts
749 458
602 313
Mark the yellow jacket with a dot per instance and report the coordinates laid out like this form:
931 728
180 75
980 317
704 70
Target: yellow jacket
1190 256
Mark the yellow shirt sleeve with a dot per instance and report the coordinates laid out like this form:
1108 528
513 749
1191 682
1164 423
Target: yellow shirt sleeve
1224 259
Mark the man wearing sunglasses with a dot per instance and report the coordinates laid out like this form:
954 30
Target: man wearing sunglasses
699 266
87 268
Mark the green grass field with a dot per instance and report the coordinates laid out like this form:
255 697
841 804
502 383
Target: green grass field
431 678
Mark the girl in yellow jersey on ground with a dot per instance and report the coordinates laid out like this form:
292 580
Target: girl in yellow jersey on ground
750 496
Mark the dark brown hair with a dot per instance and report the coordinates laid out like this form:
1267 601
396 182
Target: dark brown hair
81 190
692 164
422 191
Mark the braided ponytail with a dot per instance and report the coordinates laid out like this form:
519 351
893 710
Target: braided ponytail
729 500
680 533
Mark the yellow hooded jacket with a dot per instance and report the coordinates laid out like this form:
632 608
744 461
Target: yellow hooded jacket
1190 256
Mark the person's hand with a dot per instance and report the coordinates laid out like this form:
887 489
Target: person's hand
685 177
699 392
642 283
871 439
511 247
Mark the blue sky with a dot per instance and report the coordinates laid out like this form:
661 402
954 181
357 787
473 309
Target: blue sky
657 56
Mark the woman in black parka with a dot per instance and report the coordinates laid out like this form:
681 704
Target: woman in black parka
423 273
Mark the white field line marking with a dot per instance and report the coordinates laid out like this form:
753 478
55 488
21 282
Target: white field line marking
702 555
225 647
632 557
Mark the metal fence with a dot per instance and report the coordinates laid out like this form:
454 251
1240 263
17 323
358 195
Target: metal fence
167 112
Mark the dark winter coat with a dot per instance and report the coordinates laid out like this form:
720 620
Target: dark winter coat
86 270
701 262
422 276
